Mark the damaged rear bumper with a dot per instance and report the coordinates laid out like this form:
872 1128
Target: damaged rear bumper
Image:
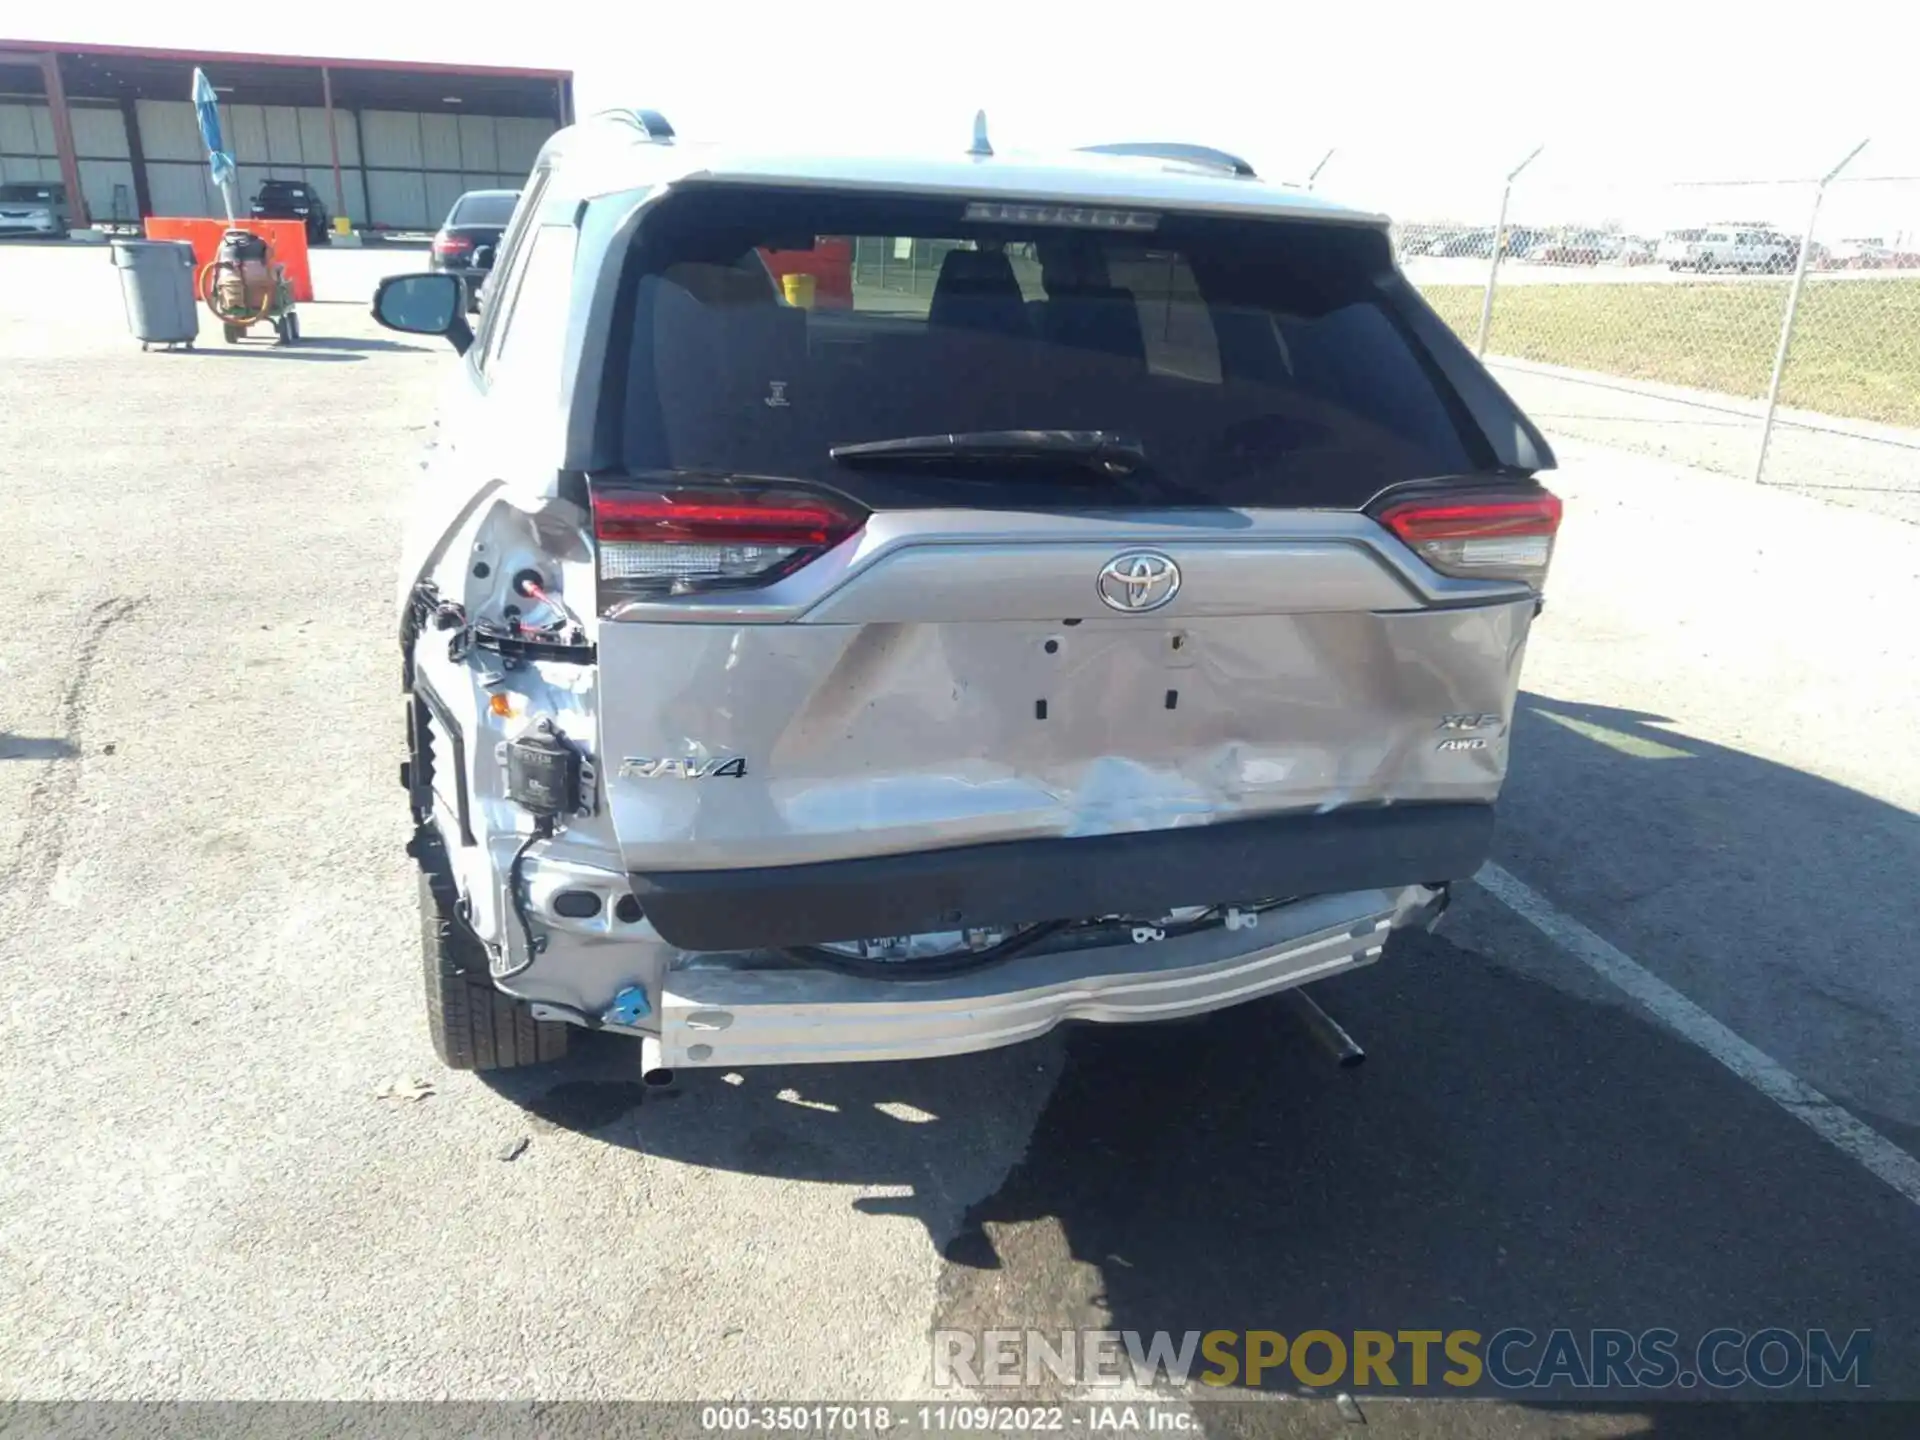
1021 882
727 1017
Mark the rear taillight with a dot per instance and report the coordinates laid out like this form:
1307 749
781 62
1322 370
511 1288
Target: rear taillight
658 542
1485 536
451 245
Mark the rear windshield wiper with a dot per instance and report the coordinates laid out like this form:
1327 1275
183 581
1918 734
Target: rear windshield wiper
1098 450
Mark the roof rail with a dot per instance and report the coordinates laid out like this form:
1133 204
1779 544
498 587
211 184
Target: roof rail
650 123
1176 150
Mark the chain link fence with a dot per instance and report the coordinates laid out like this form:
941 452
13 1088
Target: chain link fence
1686 321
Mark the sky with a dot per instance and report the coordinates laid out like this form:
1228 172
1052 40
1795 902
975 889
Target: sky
1426 106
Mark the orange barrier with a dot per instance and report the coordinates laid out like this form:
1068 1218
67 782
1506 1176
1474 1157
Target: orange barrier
286 244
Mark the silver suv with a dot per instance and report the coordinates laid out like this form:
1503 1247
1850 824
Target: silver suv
865 609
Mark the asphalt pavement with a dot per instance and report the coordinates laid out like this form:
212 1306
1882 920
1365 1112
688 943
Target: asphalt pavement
1848 462
230 1168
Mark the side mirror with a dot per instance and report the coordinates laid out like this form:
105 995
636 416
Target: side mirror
483 257
429 304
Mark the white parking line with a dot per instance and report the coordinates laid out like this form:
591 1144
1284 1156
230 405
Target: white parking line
1687 1020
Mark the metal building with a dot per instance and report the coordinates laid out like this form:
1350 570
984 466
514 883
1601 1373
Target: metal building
388 143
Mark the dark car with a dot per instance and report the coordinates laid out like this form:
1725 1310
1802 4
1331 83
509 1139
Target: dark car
466 243
294 200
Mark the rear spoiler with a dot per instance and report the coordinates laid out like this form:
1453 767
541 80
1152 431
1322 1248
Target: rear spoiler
1177 150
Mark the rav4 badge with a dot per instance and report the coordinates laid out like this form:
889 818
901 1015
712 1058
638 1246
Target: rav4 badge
635 767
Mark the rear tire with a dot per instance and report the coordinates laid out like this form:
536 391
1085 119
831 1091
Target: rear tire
473 1025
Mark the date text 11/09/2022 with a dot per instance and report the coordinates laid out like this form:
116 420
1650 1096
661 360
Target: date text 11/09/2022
1094 1418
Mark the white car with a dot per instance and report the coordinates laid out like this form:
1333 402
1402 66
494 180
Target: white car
29 208
1738 249
1859 255
751 711
1676 247
1630 250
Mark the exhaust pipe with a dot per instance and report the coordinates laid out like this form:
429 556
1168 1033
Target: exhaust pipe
654 1072
1344 1049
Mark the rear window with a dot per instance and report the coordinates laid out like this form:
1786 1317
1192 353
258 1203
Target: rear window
1255 362
483 210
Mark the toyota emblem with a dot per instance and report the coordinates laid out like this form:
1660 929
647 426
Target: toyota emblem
1139 580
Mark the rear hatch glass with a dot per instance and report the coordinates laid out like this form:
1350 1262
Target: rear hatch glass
1251 362
492 210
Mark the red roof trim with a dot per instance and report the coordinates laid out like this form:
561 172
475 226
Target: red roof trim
214 57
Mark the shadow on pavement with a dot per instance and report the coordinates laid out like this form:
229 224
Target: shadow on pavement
1513 1154
267 349
309 347
35 747
1767 895
358 343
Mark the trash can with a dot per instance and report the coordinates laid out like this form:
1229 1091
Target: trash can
156 281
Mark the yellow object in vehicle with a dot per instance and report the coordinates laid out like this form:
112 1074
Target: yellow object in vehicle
799 290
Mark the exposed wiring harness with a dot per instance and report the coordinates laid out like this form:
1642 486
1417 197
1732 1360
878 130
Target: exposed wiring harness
515 643
1115 929
527 583
542 830
958 963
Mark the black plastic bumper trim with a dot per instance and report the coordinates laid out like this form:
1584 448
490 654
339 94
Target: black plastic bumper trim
1027 881
425 693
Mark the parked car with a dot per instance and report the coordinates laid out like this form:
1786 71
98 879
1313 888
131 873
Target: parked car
467 240
1676 248
1522 241
1740 249
1859 255
1466 243
1587 247
294 200
1631 250
1423 240
33 207
788 683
